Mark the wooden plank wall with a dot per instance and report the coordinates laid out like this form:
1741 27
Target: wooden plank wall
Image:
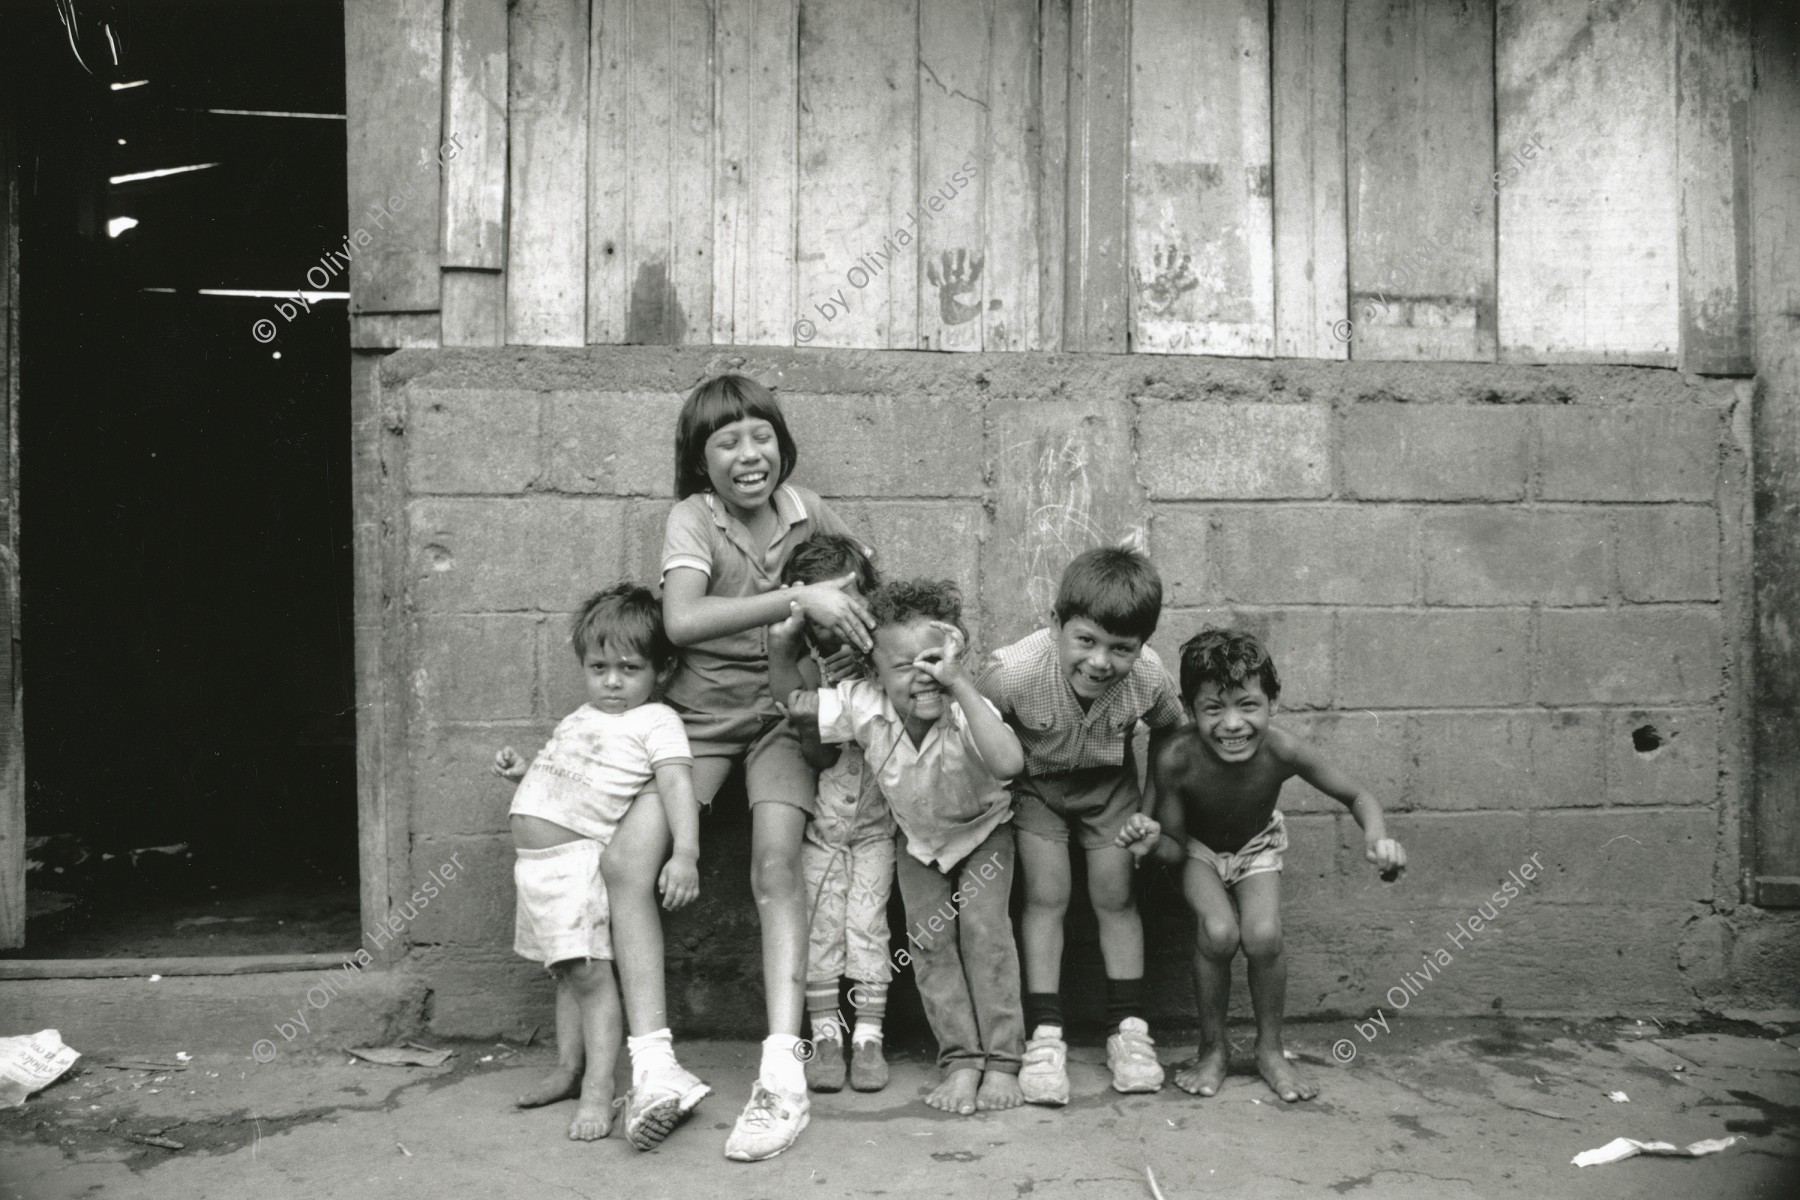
1475 180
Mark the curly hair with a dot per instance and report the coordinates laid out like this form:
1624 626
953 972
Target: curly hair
901 600
1227 658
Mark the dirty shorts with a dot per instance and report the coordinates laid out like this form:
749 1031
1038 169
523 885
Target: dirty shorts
1092 802
1257 856
562 910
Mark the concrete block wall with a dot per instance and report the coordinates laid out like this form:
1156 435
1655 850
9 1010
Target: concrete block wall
1510 600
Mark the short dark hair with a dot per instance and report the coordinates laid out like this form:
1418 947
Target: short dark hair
831 556
903 600
1227 658
710 407
628 614
1115 588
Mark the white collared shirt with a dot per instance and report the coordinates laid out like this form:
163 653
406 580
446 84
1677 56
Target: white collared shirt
941 792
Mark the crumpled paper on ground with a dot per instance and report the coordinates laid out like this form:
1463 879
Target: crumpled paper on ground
30 1063
1622 1147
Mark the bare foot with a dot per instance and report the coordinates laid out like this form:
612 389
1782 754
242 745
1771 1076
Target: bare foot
998 1091
1205 1074
957 1093
1280 1075
564 1083
593 1116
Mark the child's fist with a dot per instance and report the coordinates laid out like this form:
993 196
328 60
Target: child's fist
679 882
844 664
788 635
508 765
802 706
1139 835
1388 856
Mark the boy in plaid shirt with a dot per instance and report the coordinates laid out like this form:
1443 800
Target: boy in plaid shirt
1074 693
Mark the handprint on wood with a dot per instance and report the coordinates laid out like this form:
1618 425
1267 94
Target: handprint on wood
1171 276
960 273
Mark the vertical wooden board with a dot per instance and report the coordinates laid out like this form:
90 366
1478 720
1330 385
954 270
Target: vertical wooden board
1052 107
1202 220
754 176
475 123
859 80
609 243
1419 145
474 308
393 96
1012 209
1775 430
1096 269
657 55
1589 230
1311 245
955 40
1712 97
546 239
12 731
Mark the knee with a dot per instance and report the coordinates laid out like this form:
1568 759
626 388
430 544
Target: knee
1112 901
584 975
1262 939
775 873
1218 937
630 875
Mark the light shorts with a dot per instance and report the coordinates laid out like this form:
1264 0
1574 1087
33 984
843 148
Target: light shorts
775 771
1095 800
1259 855
562 911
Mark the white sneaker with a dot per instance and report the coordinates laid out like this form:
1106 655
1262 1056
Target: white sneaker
671 1078
1132 1056
1044 1071
769 1124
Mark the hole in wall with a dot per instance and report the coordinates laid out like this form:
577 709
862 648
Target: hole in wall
1646 740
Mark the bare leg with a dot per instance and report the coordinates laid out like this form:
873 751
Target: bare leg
564 1083
1259 907
1215 945
1045 864
1121 930
957 1093
630 866
602 1029
777 883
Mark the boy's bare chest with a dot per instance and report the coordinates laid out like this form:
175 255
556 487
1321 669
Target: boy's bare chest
1226 806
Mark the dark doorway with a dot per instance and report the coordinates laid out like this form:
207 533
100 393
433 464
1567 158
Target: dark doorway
184 494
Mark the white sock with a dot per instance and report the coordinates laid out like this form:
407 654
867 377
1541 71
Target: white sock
781 1068
1047 1031
826 1027
651 1050
866 1031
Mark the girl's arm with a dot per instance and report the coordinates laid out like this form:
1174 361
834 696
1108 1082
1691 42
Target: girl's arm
1386 853
691 616
680 878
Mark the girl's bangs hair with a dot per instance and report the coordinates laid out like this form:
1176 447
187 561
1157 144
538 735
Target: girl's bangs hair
713 405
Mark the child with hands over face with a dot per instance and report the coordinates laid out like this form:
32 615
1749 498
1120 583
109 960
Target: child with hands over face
941 755
618 749
1217 784
848 855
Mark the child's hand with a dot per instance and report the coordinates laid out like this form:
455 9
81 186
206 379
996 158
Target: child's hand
787 637
679 882
944 665
802 706
827 606
1139 835
846 663
1388 856
508 765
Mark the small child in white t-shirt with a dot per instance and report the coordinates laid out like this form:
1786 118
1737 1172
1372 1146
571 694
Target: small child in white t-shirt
619 747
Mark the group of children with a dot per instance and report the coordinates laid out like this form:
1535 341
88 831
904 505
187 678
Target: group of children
873 753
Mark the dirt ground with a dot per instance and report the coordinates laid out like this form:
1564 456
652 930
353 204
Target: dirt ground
1434 1109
